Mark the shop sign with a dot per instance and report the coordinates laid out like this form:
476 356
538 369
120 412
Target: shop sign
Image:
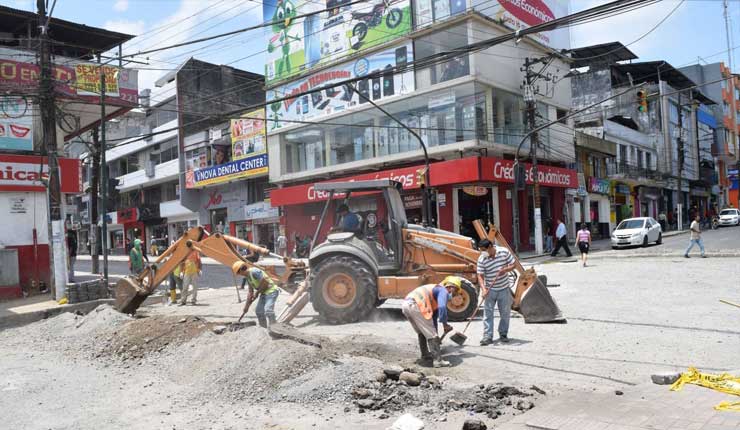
522 14
582 185
29 172
248 135
16 123
473 190
87 80
597 185
79 81
442 199
18 205
260 210
345 28
335 99
237 169
412 201
503 171
622 189
443 99
128 215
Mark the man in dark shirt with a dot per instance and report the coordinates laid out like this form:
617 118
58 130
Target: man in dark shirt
71 253
349 221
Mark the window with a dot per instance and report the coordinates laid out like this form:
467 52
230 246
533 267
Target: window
508 117
560 116
443 41
673 113
639 158
152 196
623 154
429 11
169 191
649 161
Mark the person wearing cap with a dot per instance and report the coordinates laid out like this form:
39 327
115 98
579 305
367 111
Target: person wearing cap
426 305
262 288
348 221
494 265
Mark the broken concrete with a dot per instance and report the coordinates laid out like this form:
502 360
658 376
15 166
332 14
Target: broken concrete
665 378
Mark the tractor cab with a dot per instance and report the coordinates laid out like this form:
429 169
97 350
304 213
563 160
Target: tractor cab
373 235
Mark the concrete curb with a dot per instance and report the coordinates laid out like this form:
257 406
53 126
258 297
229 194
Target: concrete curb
679 255
17 320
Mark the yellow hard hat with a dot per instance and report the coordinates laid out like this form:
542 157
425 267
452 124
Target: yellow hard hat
455 281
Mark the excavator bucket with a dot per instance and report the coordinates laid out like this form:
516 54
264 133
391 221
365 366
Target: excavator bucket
129 295
534 302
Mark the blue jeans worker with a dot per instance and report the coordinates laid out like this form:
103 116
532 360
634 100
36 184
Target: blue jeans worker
695 237
494 265
264 289
423 307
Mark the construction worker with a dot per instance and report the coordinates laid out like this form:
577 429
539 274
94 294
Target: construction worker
348 220
260 284
191 268
423 307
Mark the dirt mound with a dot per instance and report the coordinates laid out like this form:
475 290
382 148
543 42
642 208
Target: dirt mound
147 337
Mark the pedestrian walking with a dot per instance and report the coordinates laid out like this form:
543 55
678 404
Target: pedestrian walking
282 244
264 289
423 307
153 250
135 258
669 218
695 238
662 221
583 240
191 269
561 234
494 266
548 236
71 254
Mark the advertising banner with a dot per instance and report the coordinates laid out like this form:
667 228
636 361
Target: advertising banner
521 14
248 135
87 80
16 123
28 173
501 170
237 169
294 46
337 99
600 186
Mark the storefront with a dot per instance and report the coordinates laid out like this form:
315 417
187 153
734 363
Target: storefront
179 219
260 224
133 228
648 198
599 207
622 202
466 189
24 230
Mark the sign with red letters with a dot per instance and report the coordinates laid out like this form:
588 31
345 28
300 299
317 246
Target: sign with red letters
29 173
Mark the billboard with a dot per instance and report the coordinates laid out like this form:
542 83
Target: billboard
87 80
244 168
248 135
294 46
16 123
521 14
338 99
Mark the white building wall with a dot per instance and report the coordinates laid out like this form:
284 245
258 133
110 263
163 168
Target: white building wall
21 213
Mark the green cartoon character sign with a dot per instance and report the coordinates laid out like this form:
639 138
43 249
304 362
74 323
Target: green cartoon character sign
283 20
275 116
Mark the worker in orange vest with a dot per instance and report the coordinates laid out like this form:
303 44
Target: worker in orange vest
423 307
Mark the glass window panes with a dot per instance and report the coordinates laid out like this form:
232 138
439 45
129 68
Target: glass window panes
509 113
443 41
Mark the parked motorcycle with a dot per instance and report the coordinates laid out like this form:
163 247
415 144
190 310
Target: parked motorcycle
373 18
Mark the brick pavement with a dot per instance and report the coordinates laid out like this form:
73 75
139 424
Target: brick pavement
644 407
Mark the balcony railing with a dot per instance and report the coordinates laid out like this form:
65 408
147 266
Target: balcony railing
632 171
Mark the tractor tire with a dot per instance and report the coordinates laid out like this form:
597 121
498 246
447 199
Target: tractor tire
343 289
461 307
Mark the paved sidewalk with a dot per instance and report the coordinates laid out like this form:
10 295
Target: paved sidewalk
644 407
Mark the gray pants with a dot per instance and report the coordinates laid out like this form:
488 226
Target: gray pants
188 281
421 325
72 260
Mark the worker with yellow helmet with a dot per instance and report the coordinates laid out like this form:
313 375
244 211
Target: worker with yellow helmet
426 305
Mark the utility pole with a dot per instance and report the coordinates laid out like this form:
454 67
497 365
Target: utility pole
103 174
47 108
533 143
93 207
680 162
733 133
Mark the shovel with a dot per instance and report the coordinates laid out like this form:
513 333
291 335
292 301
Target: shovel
459 337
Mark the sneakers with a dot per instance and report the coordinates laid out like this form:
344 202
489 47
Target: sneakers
703 256
486 342
686 255
503 338
181 304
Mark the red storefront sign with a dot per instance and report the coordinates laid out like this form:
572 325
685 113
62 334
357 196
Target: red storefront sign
464 170
500 170
126 216
28 172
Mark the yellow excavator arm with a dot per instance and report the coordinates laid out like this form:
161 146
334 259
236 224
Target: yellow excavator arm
131 291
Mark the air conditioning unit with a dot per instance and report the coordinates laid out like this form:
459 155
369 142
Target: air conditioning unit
150 169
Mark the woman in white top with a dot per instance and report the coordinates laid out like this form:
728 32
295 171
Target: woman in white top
583 239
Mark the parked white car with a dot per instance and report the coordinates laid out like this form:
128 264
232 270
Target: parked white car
637 231
729 217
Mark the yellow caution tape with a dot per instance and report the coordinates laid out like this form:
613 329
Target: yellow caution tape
724 383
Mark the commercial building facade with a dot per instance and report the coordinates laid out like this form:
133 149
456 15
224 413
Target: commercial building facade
469 112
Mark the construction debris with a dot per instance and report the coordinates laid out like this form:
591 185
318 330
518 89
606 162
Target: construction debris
665 378
407 422
472 424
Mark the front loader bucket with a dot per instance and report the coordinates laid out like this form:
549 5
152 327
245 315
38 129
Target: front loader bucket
538 306
129 295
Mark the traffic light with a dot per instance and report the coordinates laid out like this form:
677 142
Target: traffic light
642 104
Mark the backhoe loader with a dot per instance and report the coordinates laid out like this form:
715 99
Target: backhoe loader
131 291
351 273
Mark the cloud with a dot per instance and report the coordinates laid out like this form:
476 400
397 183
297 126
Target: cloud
120 6
125 26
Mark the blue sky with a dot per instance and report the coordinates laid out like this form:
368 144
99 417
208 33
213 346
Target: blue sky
695 29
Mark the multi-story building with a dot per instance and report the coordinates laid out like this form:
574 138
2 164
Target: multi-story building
469 111
718 83
654 124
